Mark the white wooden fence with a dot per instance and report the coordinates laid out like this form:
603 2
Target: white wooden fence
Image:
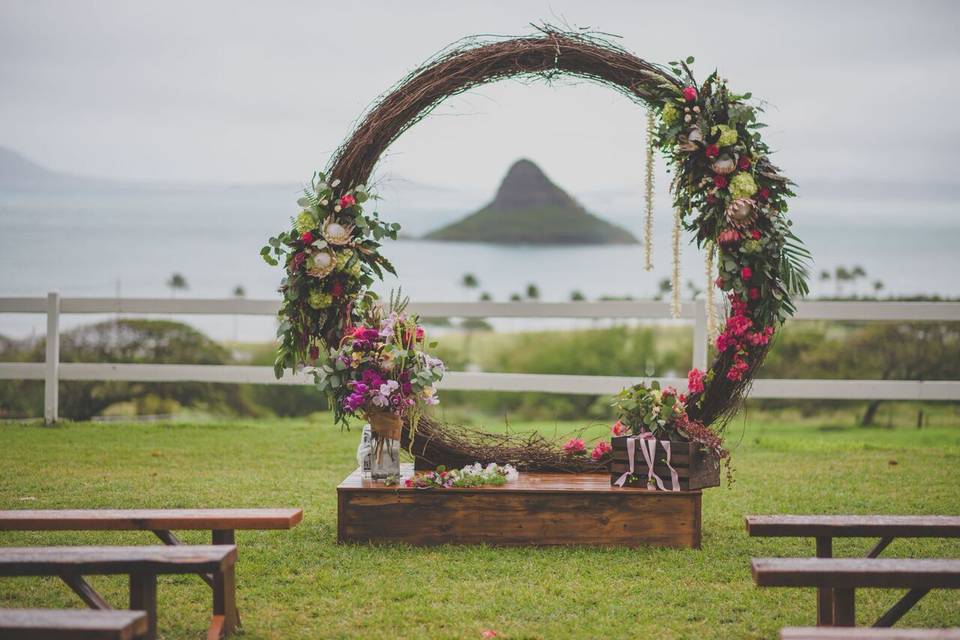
52 370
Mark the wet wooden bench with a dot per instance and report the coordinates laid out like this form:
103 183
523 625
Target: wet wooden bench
845 575
71 624
825 528
143 564
866 633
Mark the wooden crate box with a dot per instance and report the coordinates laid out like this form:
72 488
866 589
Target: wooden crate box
696 467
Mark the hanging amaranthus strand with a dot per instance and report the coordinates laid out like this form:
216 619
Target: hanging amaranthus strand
675 280
711 300
648 194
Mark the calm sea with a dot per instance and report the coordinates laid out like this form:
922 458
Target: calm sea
130 242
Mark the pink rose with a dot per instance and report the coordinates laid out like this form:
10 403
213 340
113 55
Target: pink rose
689 94
712 151
746 273
618 428
603 448
575 446
347 201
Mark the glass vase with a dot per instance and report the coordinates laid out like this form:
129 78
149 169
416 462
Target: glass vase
385 430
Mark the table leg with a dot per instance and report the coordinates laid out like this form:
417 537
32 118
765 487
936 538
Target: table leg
224 602
143 597
844 612
824 594
228 536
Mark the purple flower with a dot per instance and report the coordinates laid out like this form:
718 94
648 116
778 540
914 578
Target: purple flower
406 388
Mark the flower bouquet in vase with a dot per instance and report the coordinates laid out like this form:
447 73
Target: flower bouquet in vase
382 373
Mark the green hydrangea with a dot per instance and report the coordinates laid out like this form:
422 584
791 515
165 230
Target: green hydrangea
742 185
304 222
752 246
343 258
728 135
319 300
356 270
670 114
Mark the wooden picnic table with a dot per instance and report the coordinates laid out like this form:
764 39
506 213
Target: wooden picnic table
824 528
72 624
142 564
845 575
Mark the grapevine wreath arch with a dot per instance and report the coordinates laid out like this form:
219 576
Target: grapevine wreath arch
725 191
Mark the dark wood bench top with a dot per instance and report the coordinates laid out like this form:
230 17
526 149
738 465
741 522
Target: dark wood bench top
54 561
72 624
850 573
117 519
855 526
866 633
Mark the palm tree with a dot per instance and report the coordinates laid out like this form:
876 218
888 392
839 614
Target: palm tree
238 292
469 282
515 297
694 289
577 296
177 281
877 287
840 275
533 293
486 297
857 273
663 288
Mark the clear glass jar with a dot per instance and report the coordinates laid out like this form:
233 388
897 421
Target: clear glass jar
384 457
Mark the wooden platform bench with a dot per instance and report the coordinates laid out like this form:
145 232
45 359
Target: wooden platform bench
825 528
72 624
866 633
143 564
539 509
845 575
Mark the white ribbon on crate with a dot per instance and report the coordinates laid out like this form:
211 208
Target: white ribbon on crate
648 447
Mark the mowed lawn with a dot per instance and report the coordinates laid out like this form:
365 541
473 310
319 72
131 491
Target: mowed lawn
301 584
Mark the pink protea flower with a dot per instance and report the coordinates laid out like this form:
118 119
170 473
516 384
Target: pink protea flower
603 448
575 446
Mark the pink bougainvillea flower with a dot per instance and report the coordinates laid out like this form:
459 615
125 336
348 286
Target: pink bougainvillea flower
603 448
575 446
689 94
695 381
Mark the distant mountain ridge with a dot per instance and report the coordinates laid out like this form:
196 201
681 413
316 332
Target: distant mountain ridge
530 209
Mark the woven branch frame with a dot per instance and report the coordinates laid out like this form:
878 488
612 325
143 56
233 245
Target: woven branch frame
462 67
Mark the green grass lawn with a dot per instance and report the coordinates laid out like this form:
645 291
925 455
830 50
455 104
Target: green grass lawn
301 584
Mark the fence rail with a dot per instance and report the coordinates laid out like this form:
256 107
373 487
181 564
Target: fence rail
52 371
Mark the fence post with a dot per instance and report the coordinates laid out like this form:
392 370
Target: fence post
700 335
51 387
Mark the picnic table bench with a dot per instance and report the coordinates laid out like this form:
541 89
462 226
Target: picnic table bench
143 564
845 575
825 528
71 624
866 633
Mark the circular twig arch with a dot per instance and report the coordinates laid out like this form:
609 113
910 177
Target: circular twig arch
721 171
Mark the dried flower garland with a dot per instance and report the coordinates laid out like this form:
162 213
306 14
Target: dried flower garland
725 190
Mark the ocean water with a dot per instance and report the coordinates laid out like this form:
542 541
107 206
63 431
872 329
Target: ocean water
129 242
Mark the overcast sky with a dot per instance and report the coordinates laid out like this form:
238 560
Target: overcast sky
264 91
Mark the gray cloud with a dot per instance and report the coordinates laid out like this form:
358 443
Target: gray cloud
258 92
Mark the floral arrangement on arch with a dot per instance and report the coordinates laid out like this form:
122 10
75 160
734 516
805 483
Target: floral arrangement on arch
726 191
369 358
